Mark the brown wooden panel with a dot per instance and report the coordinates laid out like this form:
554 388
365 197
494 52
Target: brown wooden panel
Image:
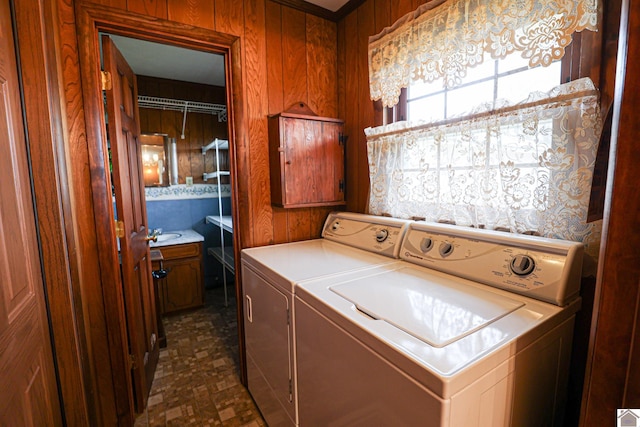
194 12
322 66
229 17
275 90
294 75
294 59
156 8
257 109
120 4
399 8
366 28
196 141
352 127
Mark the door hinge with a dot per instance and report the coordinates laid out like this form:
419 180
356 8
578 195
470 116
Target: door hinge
288 316
290 390
106 80
132 362
119 229
342 139
341 185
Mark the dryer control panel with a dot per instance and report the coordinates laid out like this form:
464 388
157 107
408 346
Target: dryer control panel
544 269
372 233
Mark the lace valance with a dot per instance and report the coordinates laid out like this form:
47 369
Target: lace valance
441 39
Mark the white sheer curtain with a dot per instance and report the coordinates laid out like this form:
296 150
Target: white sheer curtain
442 39
525 167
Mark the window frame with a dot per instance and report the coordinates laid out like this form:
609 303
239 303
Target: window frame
570 69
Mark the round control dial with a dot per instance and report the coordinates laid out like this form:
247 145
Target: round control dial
445 249
381 235
522 264
426 244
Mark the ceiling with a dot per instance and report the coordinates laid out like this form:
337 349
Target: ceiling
332 5
171 62
175 63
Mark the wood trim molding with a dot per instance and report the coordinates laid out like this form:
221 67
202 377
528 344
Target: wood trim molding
92 19
321 12
38 42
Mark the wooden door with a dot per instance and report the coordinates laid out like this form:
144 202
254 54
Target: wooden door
123 131
28 391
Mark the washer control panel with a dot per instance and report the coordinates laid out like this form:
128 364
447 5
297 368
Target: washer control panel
372 233
545 269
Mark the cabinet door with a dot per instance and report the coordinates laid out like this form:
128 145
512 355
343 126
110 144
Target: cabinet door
313 166
182 288
307 160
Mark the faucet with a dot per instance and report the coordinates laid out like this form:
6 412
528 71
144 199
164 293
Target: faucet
153 235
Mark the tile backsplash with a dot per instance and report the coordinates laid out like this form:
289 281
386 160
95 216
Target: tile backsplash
179 209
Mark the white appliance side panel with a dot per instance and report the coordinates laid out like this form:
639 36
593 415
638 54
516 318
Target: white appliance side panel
527 390
268 343
342 382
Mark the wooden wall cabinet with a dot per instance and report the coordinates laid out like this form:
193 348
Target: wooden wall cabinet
184 285
306 156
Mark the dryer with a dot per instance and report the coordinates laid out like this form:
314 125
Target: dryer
270 275
472 328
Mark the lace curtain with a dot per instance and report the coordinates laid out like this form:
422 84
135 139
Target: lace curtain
525 167
440 40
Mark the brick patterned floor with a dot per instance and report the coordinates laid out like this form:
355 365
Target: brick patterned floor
197 380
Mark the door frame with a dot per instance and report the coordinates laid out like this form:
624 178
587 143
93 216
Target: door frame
90 20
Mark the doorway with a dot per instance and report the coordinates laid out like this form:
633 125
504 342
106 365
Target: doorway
91 22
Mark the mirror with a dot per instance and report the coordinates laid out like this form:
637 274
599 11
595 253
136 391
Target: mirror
157 160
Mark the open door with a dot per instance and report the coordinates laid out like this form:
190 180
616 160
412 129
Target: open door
128 185
28 391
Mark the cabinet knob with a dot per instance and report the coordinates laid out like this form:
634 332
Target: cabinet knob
288 162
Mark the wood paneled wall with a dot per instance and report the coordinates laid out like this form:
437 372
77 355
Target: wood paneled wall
200 129
287 56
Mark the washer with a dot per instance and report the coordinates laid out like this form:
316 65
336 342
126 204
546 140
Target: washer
472 328
270 274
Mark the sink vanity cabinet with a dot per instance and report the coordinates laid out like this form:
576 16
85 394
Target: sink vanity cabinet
183 286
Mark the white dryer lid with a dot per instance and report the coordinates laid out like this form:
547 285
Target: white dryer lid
438 311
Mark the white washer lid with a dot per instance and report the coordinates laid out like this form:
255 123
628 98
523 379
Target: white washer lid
437 311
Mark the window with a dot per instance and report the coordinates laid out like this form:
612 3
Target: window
499 144
509 79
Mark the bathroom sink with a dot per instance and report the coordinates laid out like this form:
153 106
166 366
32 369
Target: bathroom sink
167 236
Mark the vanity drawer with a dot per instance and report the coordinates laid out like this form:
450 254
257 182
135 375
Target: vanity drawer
181 251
